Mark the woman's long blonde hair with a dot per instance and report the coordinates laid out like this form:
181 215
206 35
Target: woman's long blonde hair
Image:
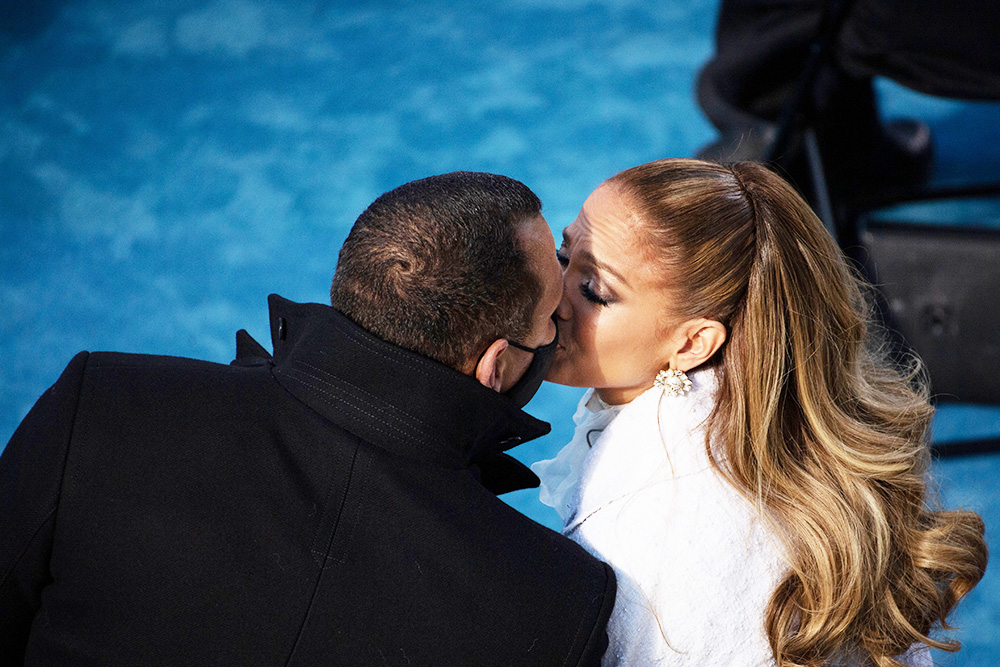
812 424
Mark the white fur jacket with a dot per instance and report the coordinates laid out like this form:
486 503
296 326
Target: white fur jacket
696 565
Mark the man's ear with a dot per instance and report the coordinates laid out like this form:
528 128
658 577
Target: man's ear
696 341
487 371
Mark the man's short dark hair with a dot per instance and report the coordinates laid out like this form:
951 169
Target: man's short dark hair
435 266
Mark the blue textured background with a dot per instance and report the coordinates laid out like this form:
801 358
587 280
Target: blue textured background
164 166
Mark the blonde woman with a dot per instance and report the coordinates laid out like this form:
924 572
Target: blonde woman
746 461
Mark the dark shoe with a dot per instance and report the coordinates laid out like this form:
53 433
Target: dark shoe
860 166
907 152
750 143
898 156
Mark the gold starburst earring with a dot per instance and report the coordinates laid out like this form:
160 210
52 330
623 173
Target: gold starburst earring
673 383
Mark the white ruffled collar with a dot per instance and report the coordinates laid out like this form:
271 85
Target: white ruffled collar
560 476
621 449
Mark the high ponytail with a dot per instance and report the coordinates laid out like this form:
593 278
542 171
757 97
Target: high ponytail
812 424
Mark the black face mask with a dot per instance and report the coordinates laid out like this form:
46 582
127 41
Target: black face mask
525 388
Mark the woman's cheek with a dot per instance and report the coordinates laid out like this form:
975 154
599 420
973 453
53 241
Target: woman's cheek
564 370
586 332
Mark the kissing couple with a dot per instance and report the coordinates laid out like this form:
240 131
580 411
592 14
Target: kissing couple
745 484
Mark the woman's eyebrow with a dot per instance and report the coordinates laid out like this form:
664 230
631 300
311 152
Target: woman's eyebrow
588 257
602 266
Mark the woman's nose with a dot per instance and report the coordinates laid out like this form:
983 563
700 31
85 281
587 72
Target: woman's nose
565 310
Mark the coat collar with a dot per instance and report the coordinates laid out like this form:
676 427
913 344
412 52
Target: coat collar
398 400
653 440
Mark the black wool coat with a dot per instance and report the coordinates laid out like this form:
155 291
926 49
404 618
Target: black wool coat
332 505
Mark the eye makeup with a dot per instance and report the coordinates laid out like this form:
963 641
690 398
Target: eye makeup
592 296
585 288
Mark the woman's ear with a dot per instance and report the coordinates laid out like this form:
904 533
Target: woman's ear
487 371
696 341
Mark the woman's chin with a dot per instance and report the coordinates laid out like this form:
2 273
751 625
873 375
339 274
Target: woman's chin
562 373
